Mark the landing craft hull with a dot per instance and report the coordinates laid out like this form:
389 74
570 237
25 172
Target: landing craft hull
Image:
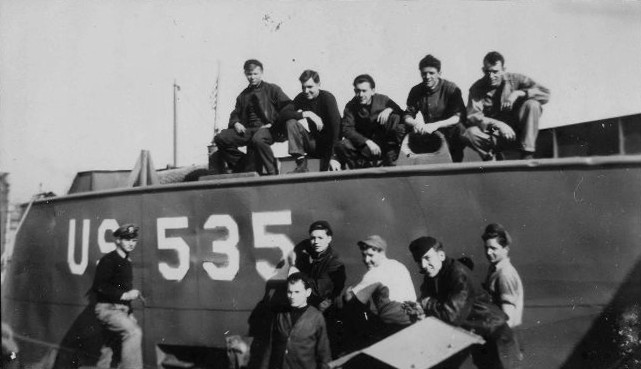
208 249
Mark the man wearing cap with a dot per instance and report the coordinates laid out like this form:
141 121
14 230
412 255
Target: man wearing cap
385 286
316 258
450 293
113 286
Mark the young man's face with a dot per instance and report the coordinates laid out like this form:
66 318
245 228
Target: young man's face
297 294
126 245
364 93
372 258
430 76
254 75
432 262
310 89
320 240
494 251
494 73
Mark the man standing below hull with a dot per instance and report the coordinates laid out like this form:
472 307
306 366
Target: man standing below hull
113 286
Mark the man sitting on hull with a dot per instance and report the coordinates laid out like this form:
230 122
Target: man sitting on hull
260 111
371 126
450 294
503 111
440 102
316 128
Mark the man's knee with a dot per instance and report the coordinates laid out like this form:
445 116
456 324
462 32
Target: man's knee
531 106
262 138
293 126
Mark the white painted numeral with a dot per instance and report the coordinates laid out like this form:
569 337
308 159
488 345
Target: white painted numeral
264 239
228 246
173 273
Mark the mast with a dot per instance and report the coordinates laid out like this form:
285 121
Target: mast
176 89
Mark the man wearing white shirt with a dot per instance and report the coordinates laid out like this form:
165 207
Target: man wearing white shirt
377 299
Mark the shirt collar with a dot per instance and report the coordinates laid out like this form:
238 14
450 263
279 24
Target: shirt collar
122 254
502 264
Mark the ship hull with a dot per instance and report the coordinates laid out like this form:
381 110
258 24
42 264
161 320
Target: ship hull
208 250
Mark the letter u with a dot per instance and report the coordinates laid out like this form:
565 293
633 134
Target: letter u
78 268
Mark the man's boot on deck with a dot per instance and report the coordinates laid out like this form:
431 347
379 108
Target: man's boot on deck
301 165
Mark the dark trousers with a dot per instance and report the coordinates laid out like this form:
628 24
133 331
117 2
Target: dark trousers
388 138
301 142
259 152
524 119
501 351
455 141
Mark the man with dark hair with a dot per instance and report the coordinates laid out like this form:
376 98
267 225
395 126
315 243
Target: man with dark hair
315 129
371 126
298 337
503 111
441 105
259 115
113 287
503 281
449 293
316 258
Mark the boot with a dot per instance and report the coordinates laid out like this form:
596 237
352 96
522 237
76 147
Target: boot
301 165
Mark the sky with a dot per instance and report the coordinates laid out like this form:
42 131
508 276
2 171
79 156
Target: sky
87 85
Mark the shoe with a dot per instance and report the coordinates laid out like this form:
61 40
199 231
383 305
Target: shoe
301 165
527 155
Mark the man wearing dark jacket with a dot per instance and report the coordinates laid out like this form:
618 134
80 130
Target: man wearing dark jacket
316 128
299 338
449 293
113 286
260 112
371 126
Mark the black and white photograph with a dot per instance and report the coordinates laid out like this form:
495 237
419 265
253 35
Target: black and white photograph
331 184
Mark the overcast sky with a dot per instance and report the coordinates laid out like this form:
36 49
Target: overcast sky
87 84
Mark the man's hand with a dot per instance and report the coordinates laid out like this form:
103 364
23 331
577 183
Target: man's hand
315 118
334 165
426 128
266 126
240 128
348 294
507 104
324 305
373 147
130 295
384 116
505 131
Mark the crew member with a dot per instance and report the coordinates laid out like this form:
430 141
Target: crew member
503 111
316 128
503 281
113 286
449 293
299 338
371 126
374 305
441 105
260 111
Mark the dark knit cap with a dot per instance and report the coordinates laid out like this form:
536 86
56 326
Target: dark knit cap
321 224
421 245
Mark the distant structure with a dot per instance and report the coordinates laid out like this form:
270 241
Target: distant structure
4 208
